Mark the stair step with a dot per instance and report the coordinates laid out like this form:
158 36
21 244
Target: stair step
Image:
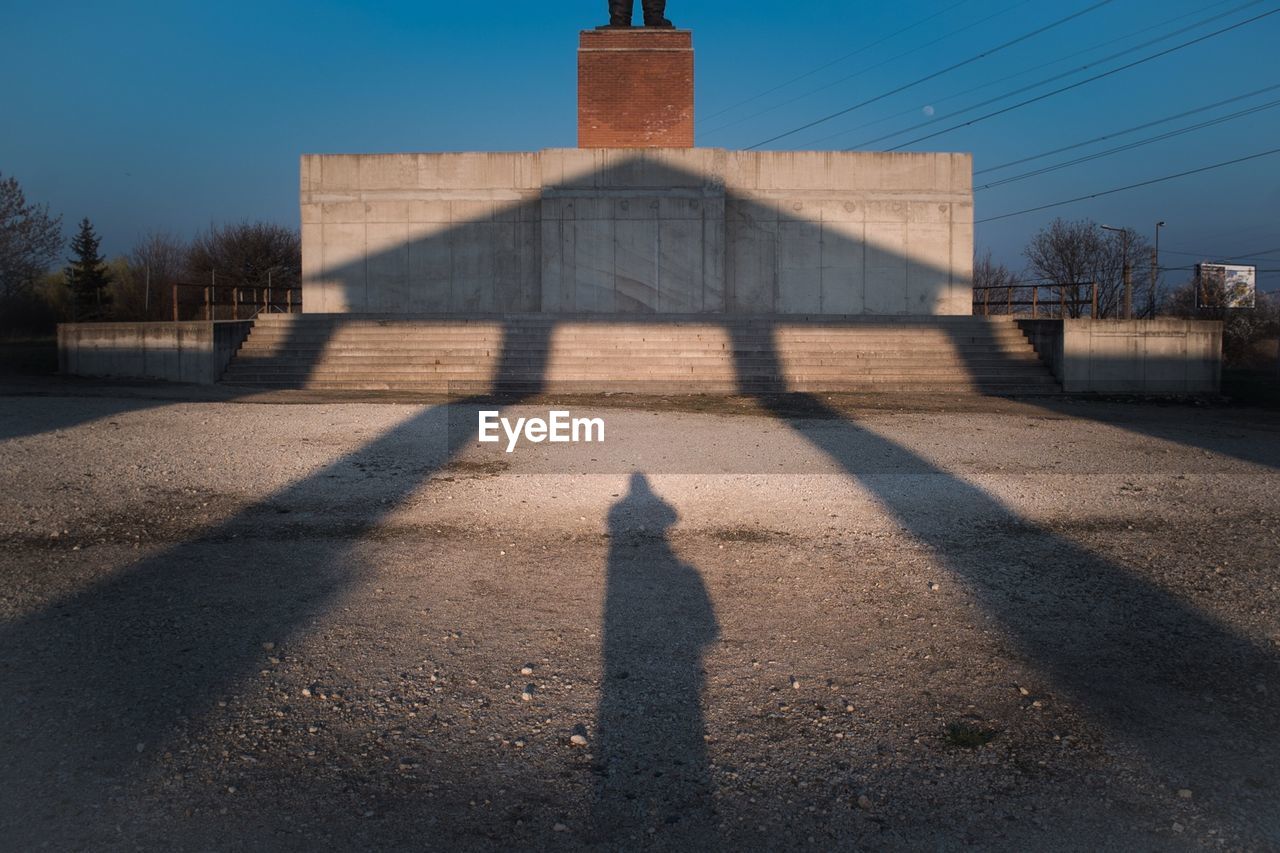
688 353
664 387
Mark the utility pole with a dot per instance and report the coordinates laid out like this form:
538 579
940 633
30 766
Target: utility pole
1155 269
1128 270
1128 287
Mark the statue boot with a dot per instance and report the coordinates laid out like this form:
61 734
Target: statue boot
654 12
620 12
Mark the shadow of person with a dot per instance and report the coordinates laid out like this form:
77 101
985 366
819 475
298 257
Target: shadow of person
653 784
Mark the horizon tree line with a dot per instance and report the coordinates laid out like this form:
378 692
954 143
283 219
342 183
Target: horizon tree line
131 286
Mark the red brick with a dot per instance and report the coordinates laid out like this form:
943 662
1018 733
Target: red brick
635 89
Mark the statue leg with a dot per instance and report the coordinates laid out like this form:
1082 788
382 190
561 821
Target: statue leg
620 12
654 13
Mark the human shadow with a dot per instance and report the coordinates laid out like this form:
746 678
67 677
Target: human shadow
1193 695
653 782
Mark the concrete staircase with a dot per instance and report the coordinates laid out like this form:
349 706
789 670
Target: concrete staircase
673 354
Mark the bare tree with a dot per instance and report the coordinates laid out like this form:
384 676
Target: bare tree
143 288
246 254
30 240
1243 329
993 286
1072 256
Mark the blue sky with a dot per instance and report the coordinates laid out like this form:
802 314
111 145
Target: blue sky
169 116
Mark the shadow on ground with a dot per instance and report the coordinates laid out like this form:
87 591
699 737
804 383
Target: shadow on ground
658 620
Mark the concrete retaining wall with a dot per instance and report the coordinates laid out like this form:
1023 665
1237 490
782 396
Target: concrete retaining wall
1164 356
617 231
196 352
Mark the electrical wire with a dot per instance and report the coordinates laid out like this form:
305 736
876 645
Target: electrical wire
1161 180
1250 256
1063 75
1129 130
1128 147
936 74
891 60
833 62
1088 80
934 102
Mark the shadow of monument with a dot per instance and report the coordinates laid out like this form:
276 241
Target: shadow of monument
124 664
651 756
144 653
59 413
1158 674
1254 439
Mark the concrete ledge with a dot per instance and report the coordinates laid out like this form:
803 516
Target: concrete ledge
197 352
1163 356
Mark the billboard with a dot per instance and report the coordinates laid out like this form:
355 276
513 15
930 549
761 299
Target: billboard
1226 286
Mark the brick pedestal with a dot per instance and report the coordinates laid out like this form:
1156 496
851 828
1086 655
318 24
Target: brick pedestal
635 88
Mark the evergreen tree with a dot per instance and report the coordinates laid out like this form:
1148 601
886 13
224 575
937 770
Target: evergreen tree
87 275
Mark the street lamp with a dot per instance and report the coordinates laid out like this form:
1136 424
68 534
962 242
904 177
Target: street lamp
1128 272
1155 269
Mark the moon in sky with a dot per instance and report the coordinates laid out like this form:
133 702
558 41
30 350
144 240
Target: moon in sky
928 110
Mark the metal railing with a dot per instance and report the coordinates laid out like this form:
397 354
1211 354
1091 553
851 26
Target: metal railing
244 301
1066 306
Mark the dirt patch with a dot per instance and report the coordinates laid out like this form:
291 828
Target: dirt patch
471 469
748 534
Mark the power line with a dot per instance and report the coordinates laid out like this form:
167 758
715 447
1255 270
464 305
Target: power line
1086 81
897 58
1056 77
1129 130
1133 186
1193 266
1034 68
1128 147
1250 256
937 74
827 65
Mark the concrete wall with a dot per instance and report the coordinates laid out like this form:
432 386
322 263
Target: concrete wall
1165 356
196 352
570 231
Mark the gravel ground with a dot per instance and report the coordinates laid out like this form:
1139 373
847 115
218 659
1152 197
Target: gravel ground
856 623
